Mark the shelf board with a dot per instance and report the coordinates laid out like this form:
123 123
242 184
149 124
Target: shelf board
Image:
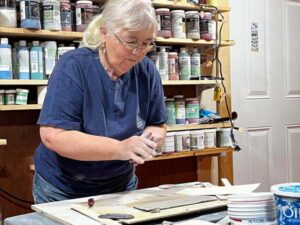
196 126
40 34
185 6
190 42
23 82
20 107
192 153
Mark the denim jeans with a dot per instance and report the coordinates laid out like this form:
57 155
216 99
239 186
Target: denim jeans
43 191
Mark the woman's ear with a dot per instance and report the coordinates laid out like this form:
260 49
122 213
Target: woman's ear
103 32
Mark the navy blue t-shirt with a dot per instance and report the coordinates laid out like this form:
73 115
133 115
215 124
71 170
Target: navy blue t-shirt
81 96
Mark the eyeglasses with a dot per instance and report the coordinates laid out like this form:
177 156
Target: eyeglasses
144 47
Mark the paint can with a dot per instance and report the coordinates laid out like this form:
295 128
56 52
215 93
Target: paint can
170 105
168 146
192 110
197 139
182 141
22 96
224 137
179 109
210 138
178 24
164 22
10 97
192 25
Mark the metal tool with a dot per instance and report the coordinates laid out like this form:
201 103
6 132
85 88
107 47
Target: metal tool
116 216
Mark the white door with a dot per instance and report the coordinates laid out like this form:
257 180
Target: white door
265 69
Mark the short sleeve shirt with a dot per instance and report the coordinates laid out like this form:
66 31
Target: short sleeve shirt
81 96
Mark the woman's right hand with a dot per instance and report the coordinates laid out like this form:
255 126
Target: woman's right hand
137 149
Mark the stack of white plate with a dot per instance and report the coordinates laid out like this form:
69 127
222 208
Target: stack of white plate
252 208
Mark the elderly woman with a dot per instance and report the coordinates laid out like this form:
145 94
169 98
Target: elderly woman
104 111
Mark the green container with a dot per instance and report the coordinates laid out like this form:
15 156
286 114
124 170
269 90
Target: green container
22 96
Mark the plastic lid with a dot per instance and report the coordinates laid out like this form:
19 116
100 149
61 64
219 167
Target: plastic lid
182 49
35 43
162 9
4 41
22 43
22 90
178 96
195 50
191 12
177 11
84 2
197 131
10 91
173 53
162 49
287 189
66 48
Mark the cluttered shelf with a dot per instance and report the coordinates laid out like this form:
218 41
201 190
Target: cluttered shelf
40 34
197 126
200 152
186 6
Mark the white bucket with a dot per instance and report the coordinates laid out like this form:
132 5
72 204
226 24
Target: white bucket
210 138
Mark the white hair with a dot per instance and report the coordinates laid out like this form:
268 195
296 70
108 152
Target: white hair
118 15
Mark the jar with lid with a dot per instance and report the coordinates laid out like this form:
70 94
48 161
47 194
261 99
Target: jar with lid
173 66
10 97
51 15
84 14
8 14
178 24
164 22
30 14
192 24
66 15
207 26
179 109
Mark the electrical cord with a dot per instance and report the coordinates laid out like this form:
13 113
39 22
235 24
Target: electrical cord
217 45
11 196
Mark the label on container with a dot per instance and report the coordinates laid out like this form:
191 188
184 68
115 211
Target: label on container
23 61
184 67
192 24
51 14
29 10
66 19
5 59
34 62
83 16
163 22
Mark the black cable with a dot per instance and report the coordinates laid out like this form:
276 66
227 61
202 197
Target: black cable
15 197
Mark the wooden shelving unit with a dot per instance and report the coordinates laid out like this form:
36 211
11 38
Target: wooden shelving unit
192 153
185 6
20 107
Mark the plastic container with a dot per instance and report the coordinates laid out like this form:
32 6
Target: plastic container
36 62
207 26
164 22
192 110
2 96
10 97
8 15
163 64
178 24
84 14
51 15
23 61
195 64
197 139
173 66
22 96
287 201
63 50
41 93
192 25
182 141
170 105
184 65
30 14
210 138
168 146
224 137
179 109
66 15
154 57
5 59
